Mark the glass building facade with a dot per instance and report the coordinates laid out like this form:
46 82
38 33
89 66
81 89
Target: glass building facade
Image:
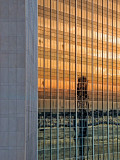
79 79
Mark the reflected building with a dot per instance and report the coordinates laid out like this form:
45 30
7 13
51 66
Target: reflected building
78 119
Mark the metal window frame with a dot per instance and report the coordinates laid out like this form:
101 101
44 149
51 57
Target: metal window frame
57 72
69 81
112 89
117 81
50 82
92 88
107 90
76 75
97 80
44 74
102 86
64 72
87 64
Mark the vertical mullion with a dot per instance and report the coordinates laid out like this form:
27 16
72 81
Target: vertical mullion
82 91
97 81
64 73
44 76
50 87
116 86
92 90
102 86
107 89
87 65
57 64
112 88
69 84
38 117
76 72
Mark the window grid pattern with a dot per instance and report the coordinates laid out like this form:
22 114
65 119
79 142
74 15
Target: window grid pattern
78 79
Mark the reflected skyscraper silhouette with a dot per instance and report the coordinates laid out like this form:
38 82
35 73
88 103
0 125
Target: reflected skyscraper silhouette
83 106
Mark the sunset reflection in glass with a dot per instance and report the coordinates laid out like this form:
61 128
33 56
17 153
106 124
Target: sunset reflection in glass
78 38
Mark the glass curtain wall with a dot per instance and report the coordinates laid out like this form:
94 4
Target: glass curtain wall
78 79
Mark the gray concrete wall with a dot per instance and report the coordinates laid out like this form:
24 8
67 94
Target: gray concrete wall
18 80
31 79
